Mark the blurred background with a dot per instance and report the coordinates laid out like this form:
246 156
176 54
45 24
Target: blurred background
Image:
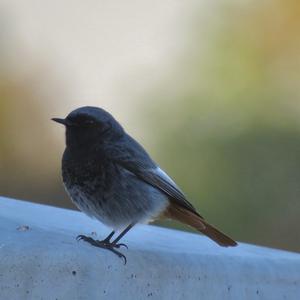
210 88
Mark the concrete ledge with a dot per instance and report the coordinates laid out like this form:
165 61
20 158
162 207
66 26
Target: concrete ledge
44 261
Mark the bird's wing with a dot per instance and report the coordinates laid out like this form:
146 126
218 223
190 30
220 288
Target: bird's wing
159 179
134 158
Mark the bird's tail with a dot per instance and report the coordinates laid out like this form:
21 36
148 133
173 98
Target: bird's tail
190 218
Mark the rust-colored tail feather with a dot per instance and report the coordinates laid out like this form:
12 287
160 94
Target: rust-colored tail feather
190 218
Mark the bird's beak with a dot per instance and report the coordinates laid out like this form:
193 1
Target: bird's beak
61 121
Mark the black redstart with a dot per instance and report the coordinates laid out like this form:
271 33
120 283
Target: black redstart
109 176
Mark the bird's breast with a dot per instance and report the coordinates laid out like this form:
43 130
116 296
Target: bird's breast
110 193
89 175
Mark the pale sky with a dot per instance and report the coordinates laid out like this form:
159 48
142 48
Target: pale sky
96 52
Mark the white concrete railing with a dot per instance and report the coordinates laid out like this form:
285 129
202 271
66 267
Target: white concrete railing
40 259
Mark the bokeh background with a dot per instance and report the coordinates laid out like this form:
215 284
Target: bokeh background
210 88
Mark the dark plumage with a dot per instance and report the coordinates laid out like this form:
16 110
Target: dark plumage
109 176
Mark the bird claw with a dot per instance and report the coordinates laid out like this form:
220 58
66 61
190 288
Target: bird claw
80 237
105 244
120 245
122 256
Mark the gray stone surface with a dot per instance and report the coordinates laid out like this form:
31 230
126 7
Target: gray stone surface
40 259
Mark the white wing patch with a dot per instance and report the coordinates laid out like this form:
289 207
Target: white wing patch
161 173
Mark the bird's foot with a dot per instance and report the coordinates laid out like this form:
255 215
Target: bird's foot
104 244
115 245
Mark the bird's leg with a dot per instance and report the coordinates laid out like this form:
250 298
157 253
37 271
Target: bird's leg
107 244
115 242
107 239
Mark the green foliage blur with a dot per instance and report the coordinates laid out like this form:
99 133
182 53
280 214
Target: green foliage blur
227 125
223 121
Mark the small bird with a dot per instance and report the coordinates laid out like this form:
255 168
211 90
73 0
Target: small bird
110 177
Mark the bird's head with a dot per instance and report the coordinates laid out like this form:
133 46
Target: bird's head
90 126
